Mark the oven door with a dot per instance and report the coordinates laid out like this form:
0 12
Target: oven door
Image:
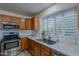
10 45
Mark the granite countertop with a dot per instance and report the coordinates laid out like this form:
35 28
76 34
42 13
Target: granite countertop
71 50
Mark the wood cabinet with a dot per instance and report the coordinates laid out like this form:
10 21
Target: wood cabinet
0 21
35 23
0 17
16 20
32 51
12 19
28 24
24 44
6 18
38 49
44 53
25 24
22 24
29 45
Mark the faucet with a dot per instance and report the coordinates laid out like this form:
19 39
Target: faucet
51 37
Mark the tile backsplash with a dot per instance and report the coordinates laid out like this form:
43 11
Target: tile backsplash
25 32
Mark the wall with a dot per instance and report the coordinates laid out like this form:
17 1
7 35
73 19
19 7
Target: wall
57 8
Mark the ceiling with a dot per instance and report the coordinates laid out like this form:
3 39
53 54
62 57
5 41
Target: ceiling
27 9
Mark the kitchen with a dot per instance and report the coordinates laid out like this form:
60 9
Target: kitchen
39 29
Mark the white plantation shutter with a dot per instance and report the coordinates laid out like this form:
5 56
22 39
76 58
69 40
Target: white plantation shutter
63 24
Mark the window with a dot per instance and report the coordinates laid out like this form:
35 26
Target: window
60 24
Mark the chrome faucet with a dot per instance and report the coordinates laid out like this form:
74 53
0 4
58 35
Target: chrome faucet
51 37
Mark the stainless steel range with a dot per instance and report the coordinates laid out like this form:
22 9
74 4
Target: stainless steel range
10 42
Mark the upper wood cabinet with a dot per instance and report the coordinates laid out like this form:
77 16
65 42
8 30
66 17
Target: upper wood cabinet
11 19
35 23
6 18
28 24
16 20
25 24
22 24
0 21
0 17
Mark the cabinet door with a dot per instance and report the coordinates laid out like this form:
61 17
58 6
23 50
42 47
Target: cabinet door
32 23
44 52
33 47
0 21
22 24
24 44
35 23
29 45
0 17
37 51
28 24
6 18
16 20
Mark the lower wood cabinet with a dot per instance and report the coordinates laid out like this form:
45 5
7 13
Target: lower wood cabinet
45 53
37 49
24 44
32 48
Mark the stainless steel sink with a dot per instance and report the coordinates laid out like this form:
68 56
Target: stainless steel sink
50 42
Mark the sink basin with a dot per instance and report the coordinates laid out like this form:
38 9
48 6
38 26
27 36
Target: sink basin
50 42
